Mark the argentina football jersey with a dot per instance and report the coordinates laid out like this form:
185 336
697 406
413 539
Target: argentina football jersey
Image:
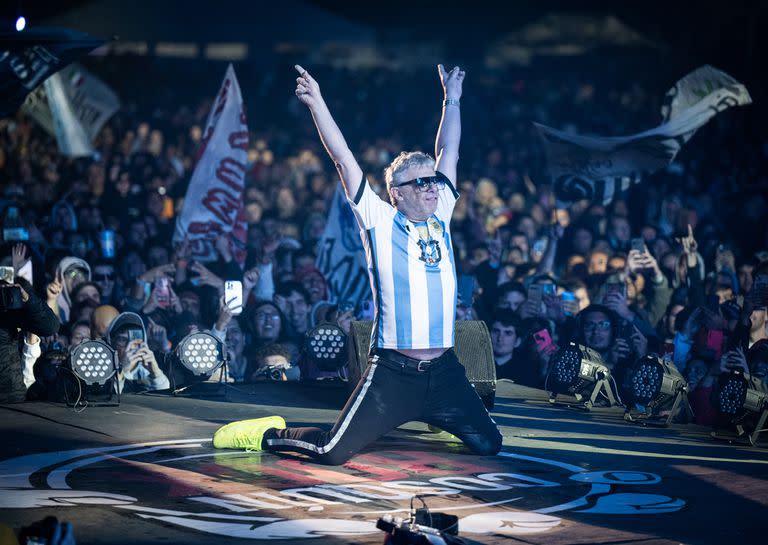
412 271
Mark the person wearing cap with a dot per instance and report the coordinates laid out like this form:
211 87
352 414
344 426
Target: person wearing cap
138 364
413 371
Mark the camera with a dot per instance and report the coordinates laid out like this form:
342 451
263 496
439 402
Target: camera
423 527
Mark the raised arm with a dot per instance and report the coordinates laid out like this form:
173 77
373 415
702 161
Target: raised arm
350 172
449 133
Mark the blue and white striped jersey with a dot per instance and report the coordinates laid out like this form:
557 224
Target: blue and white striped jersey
412 271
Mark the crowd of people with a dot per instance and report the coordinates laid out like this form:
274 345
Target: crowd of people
675 267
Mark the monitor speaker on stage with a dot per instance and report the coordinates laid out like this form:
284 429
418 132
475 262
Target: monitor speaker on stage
473 349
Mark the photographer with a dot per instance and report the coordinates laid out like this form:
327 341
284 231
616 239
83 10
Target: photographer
21 312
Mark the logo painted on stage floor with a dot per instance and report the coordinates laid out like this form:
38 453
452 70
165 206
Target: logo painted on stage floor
261 496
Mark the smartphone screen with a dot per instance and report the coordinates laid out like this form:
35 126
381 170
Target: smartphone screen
163 287
233 296
535 292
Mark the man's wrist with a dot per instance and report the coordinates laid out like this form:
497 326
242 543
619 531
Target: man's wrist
451 102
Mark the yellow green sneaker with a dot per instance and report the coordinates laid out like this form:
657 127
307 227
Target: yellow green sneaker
246 434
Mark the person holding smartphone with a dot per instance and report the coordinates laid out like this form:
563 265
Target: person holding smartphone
139 369
413 371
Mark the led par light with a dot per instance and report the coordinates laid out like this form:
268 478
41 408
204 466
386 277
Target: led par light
579 371
326 346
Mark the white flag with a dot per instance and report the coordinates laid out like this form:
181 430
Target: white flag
70 135
214 201
91 100
598 168
340 253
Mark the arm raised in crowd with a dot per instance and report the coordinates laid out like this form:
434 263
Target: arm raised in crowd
449 132
350 172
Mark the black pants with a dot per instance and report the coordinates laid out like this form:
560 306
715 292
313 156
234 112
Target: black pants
390 394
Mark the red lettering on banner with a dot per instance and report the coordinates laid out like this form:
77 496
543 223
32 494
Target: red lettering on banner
225 172
239 140
222 204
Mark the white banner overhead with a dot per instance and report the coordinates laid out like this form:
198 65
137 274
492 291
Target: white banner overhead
214 201
599 168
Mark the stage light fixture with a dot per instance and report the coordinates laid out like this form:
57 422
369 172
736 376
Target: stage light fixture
94 362
326 346
21 24
650 385
744 400
95 366
579 371
201 353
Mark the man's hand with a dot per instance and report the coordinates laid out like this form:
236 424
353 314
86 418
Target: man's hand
644 261
207 277
157 336
617 302
18 257
639 342
53 290
451 81
620 350
307 89
251 278
225 314
690 247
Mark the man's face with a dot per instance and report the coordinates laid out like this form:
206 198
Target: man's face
758 319
620 229
190 303
74 276
503 339
511 300
120 342
297 310
104 277
79 334
267 323
88 292
597 331
315 285
598 263
415 204
235 340
745 278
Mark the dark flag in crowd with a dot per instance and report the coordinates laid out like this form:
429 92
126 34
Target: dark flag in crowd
599 168
214 201
28 58
340 253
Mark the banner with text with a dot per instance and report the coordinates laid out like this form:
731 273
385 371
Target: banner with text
214 201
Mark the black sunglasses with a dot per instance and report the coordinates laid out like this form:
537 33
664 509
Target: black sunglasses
438 180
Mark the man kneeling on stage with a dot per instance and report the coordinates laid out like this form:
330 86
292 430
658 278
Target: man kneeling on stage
413 372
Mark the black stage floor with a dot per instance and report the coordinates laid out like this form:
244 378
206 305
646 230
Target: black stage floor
146 472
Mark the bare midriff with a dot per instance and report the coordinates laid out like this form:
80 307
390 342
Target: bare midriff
422 354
